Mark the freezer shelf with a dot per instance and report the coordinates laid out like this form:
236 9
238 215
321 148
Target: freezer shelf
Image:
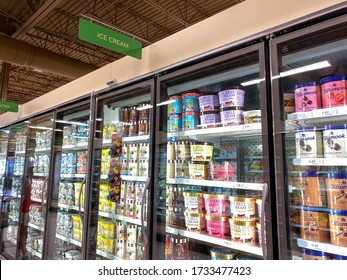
236 130
216 241
121 218
320 161
328 248
223 184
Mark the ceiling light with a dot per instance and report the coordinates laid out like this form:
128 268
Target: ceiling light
252 82
310 67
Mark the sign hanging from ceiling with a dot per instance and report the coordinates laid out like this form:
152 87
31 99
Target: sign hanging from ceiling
8 106
109 39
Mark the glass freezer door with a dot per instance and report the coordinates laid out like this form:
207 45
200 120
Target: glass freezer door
212 170
121 178
69 177
38 160
14 235
4 191
310 111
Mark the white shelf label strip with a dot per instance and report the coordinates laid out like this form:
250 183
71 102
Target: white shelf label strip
217 241
323 247
320 161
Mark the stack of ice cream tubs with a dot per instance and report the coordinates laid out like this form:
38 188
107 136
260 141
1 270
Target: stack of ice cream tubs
193 110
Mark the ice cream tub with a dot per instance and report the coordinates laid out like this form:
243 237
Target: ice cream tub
175 108
253 116
221 253
259 230
209 103
308 254
198 171
222 171
242 208
190 120
313 189
175 123
194 202
334 91
218 226
201 152
242 231
231 97
308 142
217 205
338 227
335 141
289 102
231 117
314 224
336 186
245 257
190 102
195 221
182 150
210 119
307 97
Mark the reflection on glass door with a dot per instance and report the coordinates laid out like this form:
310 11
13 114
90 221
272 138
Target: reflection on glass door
37 173
212 170
66 211
4 191
310 68
14 236
122 157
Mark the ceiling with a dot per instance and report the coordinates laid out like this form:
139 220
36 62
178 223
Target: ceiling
51 52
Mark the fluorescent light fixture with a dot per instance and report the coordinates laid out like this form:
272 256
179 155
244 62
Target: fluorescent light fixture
144 107
310 67
98 119
252 82
166 102
71 122
40 127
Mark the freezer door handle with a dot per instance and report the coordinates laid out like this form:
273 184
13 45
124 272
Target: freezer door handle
265 197
144 199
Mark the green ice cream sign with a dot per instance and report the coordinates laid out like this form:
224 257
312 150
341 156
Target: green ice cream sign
8 106
109 39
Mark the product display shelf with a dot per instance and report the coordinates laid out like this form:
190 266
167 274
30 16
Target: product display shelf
255 250
324 247
236 130
69 207
40 228
320 161
43 150
121 218
77 147
224 184
133 139
19 152
319 116
34 252
107 255
69 240
72 176
40 175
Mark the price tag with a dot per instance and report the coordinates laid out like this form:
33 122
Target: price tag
171 230
317 246
304 115
173 139
302 243
247 127
329 112
316 161
240 186
227 243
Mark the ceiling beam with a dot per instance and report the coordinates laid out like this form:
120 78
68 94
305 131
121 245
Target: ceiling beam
42 12
160 8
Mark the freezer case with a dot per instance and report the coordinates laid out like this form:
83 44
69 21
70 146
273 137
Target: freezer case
121 173
14 195
309 69
69 183
37 170
212 170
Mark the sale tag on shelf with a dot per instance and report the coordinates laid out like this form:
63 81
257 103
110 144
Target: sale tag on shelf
304 115
328 112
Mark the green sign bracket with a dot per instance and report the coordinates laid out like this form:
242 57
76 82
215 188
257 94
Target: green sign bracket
109 39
